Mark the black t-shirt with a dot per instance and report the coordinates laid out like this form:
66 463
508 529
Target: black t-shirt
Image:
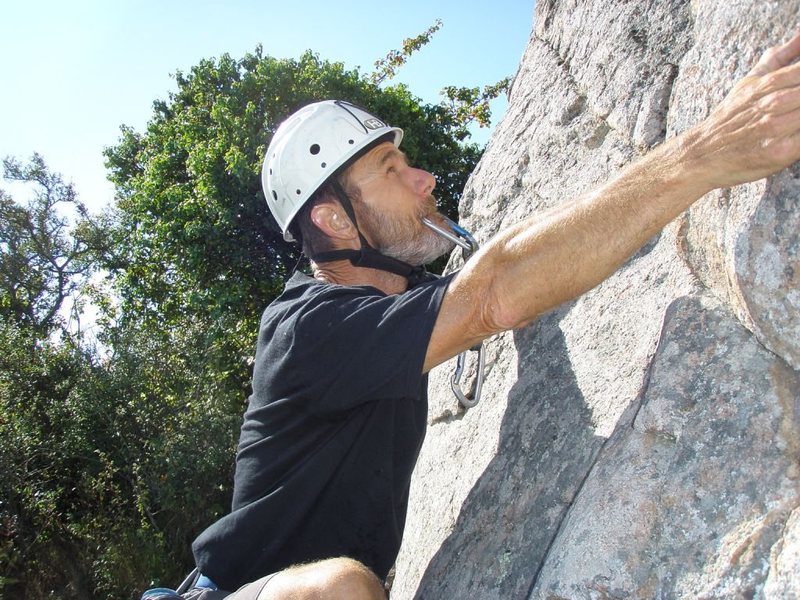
331 434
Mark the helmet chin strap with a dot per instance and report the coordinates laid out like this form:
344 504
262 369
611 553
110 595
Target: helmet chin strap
367 256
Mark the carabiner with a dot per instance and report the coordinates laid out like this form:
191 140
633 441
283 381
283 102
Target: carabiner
457 234
462 238
466 400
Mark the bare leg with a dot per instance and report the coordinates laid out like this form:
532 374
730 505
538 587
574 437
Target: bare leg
332 579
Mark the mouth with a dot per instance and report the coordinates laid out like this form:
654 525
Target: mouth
430 210
434 216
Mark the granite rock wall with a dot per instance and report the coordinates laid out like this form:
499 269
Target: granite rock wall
642 441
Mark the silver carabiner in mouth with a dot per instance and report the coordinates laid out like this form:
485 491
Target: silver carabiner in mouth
456 234
462 238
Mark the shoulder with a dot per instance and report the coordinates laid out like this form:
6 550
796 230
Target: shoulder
302 290
308 303
303 293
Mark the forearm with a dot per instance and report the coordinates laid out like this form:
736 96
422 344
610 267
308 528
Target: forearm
553 257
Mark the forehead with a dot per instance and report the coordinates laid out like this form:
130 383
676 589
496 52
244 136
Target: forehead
378 155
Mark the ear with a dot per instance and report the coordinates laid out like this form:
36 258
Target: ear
331 219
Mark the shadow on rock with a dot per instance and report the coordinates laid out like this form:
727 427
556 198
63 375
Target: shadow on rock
546 447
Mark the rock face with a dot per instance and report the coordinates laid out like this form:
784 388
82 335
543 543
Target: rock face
642 441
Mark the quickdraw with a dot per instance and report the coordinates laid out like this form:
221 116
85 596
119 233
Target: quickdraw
462 238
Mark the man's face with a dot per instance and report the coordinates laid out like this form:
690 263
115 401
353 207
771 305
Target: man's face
394 197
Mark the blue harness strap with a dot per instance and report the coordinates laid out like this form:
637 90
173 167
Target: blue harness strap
205 582
189 582
160 594
194 579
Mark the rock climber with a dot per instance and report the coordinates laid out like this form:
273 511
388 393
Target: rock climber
338 410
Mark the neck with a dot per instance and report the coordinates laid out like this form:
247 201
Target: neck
342 272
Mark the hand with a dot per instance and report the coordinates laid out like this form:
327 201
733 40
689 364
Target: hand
755 131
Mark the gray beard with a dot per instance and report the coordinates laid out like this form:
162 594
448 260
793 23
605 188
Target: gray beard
392 239
420 251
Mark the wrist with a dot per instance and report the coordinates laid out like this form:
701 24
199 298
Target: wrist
687 165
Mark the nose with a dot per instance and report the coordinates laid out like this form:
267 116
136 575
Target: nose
422 181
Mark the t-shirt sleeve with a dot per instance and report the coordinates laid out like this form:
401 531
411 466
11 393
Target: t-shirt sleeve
351 347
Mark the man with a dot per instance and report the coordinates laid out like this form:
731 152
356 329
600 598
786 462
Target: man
338 409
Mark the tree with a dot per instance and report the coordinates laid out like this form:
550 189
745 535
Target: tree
42 262
96 455
471 104
99 493
193 234
462 104
386 67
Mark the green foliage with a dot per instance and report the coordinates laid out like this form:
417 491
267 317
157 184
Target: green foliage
471 104
462 105
99 457
42 261
114 461
110 469
193 235
44 464
386 68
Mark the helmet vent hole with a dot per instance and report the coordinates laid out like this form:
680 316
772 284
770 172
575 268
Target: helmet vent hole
298 192
314 149
351 142
274 195
324 165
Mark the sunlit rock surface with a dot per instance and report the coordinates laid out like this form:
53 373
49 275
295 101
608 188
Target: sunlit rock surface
642 441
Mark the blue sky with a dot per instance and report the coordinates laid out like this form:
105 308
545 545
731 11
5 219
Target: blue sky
74 72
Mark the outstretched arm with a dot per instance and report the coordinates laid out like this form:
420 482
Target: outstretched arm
556 256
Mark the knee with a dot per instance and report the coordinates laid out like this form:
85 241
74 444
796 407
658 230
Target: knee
332 579
346 578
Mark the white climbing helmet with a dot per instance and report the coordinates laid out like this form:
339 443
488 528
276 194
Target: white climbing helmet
309 147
